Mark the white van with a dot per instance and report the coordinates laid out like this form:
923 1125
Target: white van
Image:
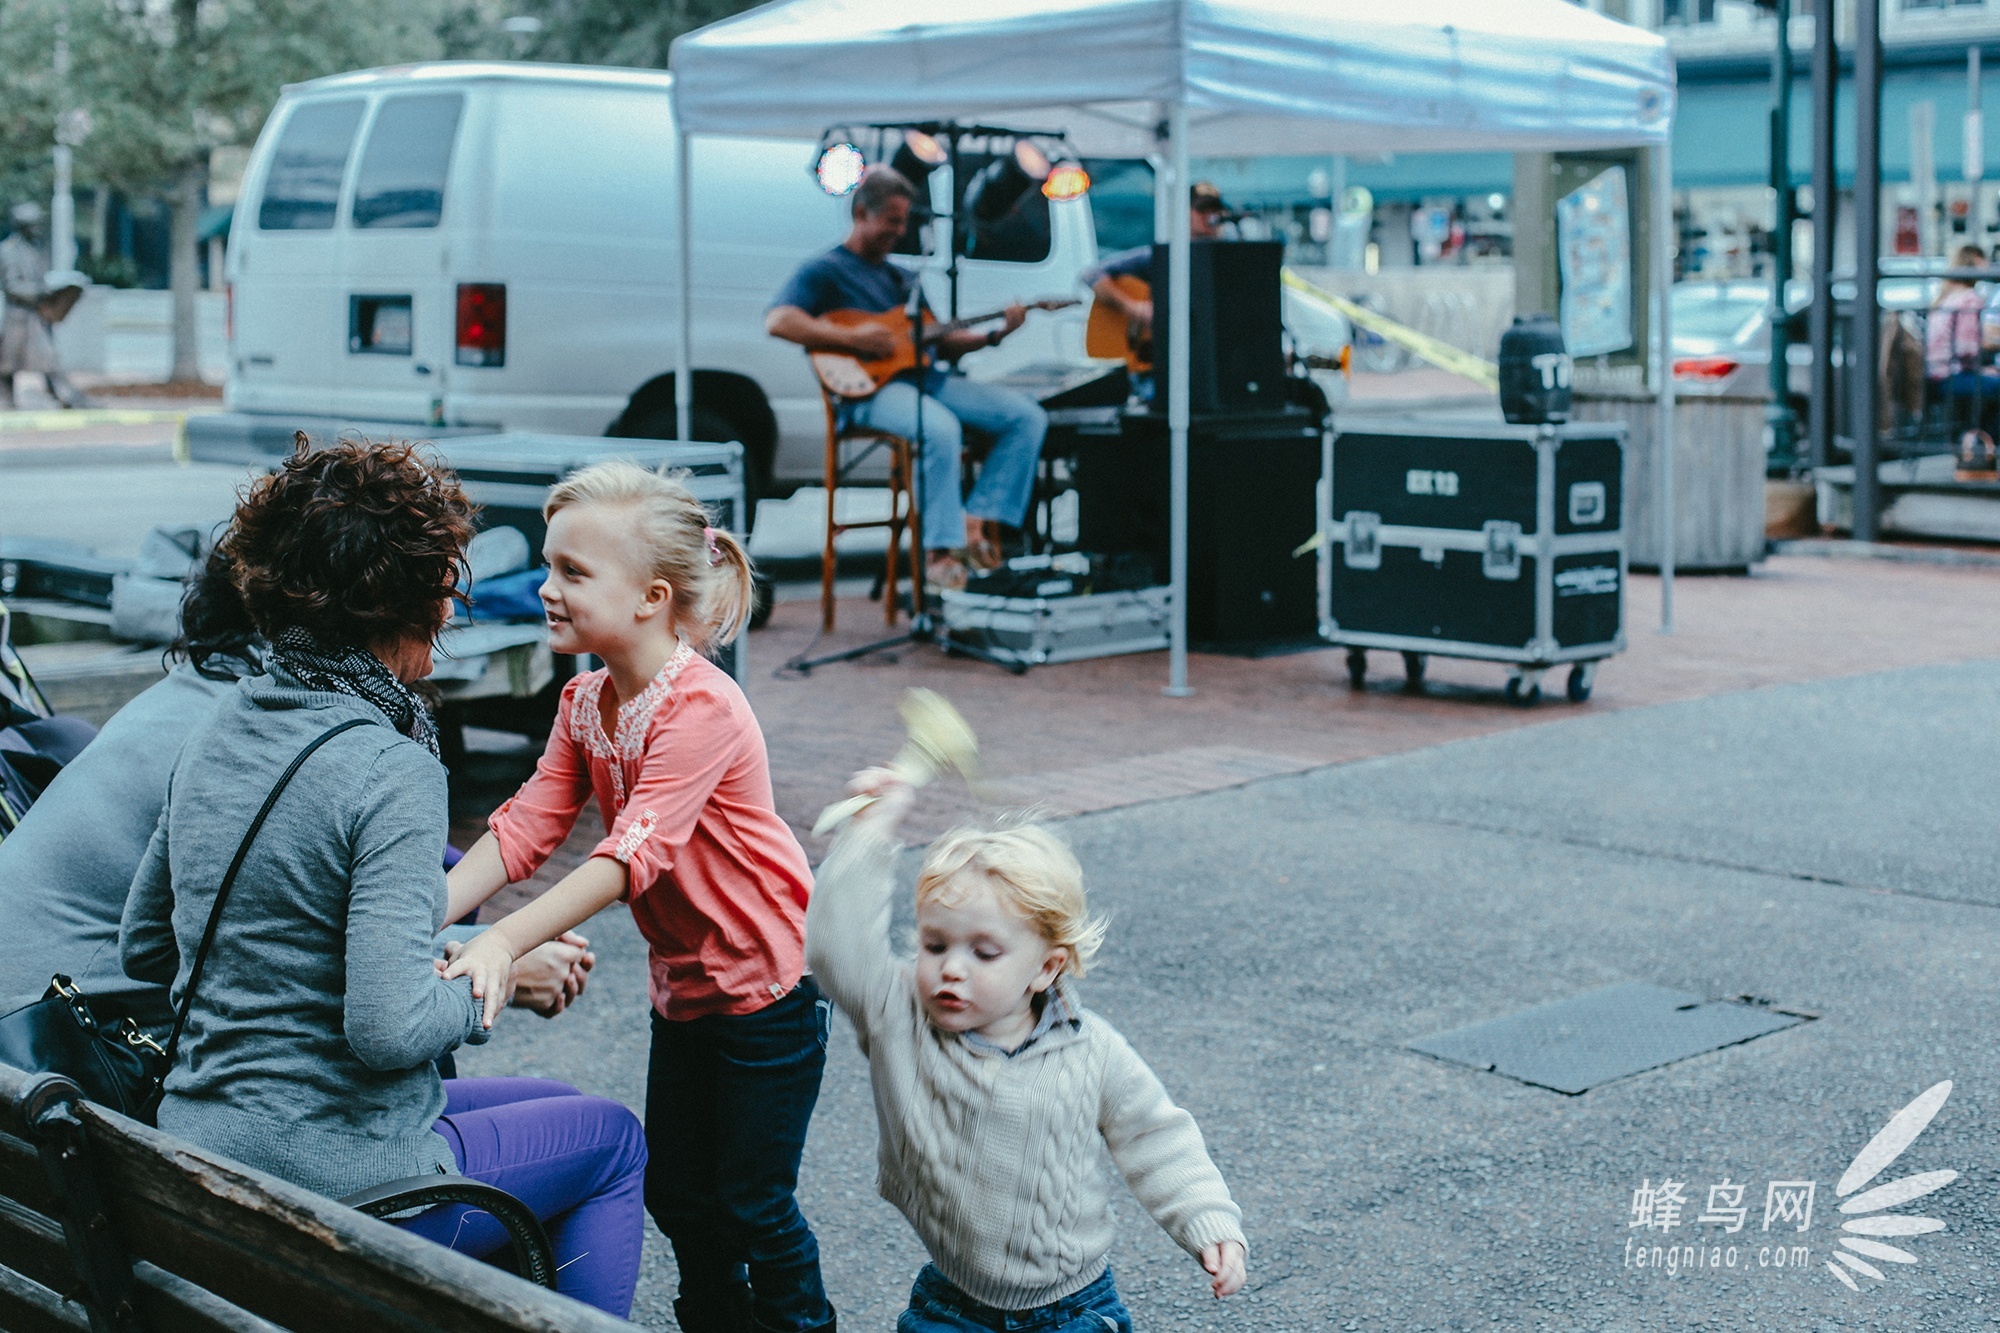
492 246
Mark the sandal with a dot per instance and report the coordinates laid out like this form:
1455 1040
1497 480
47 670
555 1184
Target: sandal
944 573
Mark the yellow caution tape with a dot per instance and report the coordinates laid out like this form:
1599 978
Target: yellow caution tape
86 417
1440 354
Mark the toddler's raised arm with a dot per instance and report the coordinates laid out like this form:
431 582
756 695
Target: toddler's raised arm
847 920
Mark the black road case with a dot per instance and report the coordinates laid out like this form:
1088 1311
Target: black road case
1498 542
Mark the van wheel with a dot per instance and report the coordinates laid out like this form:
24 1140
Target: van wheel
705 424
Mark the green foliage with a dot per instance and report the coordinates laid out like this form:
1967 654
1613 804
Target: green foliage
617 32
166 81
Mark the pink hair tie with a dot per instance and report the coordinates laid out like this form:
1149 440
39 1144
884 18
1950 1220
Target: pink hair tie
714 551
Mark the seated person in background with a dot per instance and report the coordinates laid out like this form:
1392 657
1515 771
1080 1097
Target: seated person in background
66 871
1206 214
857 275
1952 341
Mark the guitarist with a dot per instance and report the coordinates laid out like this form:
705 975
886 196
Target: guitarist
1206 214
857 275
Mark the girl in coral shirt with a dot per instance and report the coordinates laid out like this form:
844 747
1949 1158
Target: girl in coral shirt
718 885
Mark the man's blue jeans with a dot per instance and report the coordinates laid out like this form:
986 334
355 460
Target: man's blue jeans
938 1306
1007 479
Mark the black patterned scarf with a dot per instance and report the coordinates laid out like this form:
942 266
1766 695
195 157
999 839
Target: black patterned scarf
359 673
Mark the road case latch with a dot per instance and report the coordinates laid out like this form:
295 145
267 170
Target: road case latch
1363 547
1502 556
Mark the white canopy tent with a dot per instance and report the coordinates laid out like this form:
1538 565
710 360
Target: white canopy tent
1167 79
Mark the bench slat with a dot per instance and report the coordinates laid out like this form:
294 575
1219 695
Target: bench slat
297 1258
26 1307
31 1244
22 1178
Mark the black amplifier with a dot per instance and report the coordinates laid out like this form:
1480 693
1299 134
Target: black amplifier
1251 485
1500 542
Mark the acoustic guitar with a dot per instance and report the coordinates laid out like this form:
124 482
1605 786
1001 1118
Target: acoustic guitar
848 376
1110 336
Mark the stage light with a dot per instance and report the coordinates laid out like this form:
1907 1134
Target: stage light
925 148
1066 181
1029 157
839 168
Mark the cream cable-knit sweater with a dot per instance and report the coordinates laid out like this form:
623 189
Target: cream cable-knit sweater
996 1161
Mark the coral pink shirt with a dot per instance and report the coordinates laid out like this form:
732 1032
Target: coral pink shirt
718 883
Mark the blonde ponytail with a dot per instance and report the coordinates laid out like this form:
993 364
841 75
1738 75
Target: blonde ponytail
706 566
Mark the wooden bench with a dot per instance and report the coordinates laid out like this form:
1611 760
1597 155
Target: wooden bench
110 1226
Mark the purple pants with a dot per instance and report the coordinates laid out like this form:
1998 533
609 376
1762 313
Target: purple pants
578 1162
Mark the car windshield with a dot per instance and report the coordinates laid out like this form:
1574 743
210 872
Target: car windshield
1720 315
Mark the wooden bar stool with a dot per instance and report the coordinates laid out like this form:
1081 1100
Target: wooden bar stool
846 449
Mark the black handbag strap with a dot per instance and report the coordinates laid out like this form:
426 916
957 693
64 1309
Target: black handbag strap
229 879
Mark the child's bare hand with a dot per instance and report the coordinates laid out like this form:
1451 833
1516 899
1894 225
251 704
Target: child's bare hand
892 792
489 961
1224 1262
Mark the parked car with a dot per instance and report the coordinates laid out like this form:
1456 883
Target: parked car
454 245
1722 339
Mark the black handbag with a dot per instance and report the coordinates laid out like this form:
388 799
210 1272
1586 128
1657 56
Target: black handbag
117 1064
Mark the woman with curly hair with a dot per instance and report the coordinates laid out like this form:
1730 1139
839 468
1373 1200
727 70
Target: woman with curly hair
311 1045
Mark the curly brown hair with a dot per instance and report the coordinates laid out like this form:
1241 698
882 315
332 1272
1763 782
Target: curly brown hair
358 543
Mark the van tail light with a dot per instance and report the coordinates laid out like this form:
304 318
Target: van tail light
1704 368
482 324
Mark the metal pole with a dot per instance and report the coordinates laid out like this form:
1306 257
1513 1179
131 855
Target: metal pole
62 206
1783 422
684 353
1178 282
1862 341
1975 132
1826 208
1662 265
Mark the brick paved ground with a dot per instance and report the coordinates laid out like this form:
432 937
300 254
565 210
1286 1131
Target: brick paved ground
1096 735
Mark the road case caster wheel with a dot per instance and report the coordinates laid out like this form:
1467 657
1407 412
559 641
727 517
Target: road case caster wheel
1413 672
1522 694
1581 677
1357 668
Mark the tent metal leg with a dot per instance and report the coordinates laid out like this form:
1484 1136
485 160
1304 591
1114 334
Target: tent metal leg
1178 256
1663 362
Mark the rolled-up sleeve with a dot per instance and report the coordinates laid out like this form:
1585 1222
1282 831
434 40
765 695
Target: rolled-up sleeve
535 820
398 1014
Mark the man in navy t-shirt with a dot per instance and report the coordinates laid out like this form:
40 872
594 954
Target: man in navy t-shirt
857 275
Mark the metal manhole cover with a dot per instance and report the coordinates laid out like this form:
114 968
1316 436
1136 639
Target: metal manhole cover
1577 1044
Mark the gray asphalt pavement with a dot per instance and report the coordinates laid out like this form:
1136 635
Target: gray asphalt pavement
1828 847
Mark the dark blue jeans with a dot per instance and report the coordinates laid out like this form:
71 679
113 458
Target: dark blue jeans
728 1099
937 1306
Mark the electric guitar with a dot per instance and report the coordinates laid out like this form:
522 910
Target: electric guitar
848 376
1110 336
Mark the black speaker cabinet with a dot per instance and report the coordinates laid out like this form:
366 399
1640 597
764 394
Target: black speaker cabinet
1236 357
1251 501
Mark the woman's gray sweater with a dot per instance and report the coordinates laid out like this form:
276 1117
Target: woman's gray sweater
309 1050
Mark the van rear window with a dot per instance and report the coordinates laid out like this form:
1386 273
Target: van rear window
403 169
302 188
